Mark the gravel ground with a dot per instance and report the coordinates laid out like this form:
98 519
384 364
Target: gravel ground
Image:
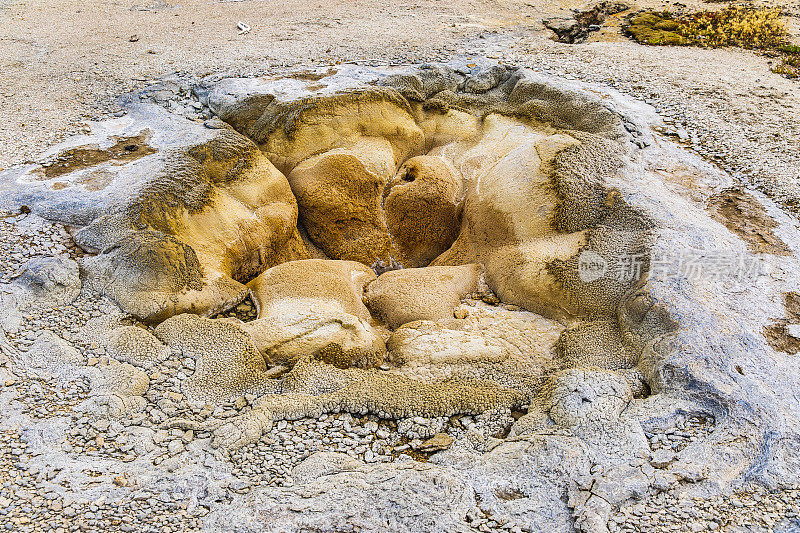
36 495
725 104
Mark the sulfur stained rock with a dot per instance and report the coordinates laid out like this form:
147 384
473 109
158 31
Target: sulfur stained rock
547 174
430 293
290 130
339 195
509 212
535 202
340 282
313 308
303 328
428 343
423 209
440 441
209 216
227 364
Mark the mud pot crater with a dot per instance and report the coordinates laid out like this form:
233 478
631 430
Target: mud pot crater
427 243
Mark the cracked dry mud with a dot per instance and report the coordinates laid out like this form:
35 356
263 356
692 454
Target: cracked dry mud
441 297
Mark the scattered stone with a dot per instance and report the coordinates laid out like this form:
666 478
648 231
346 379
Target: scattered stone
440 441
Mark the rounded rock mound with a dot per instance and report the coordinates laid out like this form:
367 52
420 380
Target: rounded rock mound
432 241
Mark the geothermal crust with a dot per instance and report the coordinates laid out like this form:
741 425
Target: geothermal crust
426 242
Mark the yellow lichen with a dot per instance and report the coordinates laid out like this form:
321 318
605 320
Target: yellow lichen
744 27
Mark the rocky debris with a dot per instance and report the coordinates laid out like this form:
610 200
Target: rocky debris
245 311
754 510
401 496
511 483
585 19
439 442
117 389
32 496
687 429
175 93
361 438
567 30
312 389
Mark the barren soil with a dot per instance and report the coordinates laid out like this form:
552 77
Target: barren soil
62 62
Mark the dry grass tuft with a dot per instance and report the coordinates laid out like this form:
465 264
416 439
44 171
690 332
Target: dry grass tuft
744 27
758 29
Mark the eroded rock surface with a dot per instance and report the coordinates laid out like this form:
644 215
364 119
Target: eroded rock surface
423 209
400 497
496 260
314 308
431 293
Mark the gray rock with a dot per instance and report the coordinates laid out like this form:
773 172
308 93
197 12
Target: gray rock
523 482
175 447
787 525
10 315
134 345
49 281
567 30
407 496
323 464
50 355
662 458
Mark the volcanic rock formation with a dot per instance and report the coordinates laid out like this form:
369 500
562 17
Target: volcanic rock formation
424 242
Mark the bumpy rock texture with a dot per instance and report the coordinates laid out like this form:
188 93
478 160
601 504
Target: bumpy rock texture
423 209
429 243
314 308
493 184
212 215
432 293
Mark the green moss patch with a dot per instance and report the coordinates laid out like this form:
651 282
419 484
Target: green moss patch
655 29
743 27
